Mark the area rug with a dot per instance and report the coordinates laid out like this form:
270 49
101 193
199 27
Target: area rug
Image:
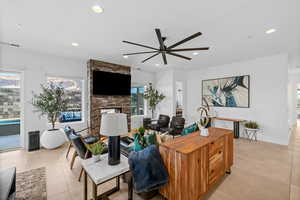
31 185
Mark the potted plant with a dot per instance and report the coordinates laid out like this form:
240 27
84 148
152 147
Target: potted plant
251 125
203 122
96 150
51 102
153 97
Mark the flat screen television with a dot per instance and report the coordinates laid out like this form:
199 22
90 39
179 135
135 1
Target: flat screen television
107 83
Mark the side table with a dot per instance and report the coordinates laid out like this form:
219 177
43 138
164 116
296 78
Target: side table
251 133
101 172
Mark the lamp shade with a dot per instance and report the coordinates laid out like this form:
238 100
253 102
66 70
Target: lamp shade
113 124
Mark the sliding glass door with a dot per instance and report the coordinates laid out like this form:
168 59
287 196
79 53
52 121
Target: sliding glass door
10 109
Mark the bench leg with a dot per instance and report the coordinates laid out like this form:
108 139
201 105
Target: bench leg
236 129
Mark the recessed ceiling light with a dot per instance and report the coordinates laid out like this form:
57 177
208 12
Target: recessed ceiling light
156 64
74 44
125 57
272 30
195 53
97 9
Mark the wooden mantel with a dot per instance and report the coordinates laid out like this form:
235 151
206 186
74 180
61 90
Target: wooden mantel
196 163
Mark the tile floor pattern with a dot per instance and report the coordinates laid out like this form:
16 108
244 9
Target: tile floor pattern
261 171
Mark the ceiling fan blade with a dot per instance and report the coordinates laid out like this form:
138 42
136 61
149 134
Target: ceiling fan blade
185 40
150 57
141 45
160 40
10 44
180 56
188 49
164 57
128 54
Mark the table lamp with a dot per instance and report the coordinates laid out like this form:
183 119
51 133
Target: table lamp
113 125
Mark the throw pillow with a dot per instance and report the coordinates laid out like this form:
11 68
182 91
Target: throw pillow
190 129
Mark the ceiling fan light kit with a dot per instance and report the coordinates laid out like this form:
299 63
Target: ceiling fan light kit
164 50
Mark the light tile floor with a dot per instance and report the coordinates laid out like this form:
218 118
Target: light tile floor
261 171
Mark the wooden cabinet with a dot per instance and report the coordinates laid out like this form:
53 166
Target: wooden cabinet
196 163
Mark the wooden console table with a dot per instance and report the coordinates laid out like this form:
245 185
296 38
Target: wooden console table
236 124
196 163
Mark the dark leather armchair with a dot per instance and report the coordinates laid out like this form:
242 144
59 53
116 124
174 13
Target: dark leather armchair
147 123
80 149
67 131
176 126
78 142
162 123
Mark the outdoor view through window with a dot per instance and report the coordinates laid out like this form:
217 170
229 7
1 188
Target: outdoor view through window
137 101
73 90
9 96
9 110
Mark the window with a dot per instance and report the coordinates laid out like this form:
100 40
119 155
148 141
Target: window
137 101
9 96
73 90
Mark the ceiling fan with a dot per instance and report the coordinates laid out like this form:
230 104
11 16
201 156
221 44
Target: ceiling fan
9 44
163 49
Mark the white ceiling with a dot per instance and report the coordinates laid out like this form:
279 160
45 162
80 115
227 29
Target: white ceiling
233 29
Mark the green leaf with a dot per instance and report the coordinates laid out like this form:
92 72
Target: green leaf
51 102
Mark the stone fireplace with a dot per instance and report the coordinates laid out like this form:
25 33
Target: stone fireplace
98 104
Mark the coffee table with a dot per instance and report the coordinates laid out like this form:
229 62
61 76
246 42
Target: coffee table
101 172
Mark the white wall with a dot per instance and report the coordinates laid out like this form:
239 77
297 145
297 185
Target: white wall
141 78
34 68
165 84
268 95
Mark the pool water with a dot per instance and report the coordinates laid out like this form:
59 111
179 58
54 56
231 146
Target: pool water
9 122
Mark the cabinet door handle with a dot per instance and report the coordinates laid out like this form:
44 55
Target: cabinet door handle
212 143
220 152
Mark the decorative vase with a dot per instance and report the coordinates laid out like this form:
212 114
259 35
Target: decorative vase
204 131
96 158
52 139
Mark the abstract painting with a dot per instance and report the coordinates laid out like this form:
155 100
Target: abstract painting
227 92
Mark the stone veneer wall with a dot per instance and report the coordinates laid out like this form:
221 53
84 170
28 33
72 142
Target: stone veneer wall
97 102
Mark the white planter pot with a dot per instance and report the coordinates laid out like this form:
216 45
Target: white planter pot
204 132
96 158
252 129
52 139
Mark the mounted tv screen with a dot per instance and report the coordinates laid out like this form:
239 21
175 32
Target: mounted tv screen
107 83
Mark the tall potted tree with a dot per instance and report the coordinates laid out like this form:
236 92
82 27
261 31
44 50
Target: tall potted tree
51 102
153 97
